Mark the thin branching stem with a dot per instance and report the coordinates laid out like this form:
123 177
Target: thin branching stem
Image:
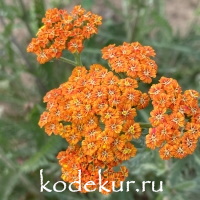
71 62
145 125
78 59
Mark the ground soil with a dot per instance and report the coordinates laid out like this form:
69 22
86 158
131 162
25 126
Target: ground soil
181 14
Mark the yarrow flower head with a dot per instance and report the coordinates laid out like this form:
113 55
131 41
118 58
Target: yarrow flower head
94 111
133 59
175 119
63 31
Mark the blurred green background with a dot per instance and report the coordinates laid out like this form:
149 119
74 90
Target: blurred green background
171 27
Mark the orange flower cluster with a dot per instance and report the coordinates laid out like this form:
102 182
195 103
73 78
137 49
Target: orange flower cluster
94 111
63 31
175 119
132 59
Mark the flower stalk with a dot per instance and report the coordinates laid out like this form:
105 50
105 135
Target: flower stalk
71 62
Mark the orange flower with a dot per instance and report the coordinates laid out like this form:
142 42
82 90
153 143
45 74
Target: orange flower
189 142
105 139
110 113
157 116
146 73
132 96
174 119
133 59
193 129
73 137
161 100
109 52
179 150
126 152
63 31
105 155
127 83
94 111
99 93
152 139
166 152
126 112
132 130
75 45
165 131
177 119
116 100
143 101
155 90
119 142
118 64
89 147
113 125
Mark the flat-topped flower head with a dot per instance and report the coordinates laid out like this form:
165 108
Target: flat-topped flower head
94 111
132 59
176 128
63 31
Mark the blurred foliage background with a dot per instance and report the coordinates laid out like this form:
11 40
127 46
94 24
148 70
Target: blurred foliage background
25 148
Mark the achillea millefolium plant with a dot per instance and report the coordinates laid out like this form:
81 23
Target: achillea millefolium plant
95 109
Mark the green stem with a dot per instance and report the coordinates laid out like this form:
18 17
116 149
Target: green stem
145 125
78 59
71 62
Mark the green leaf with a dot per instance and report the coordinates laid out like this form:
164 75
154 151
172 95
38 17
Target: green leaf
9 182
184 186
175 175
197 159
39 159
160 197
